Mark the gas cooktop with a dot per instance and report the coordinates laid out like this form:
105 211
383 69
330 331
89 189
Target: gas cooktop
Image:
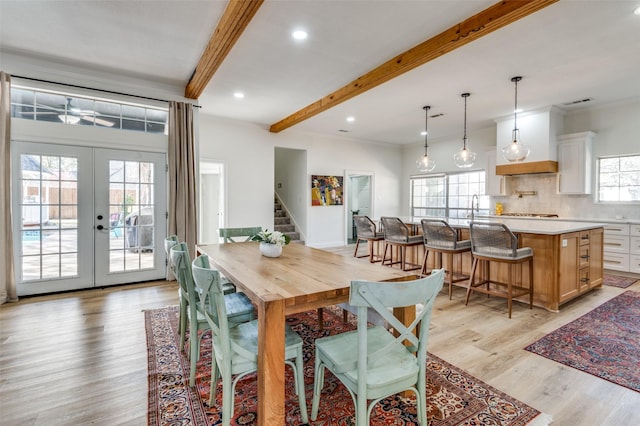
530 214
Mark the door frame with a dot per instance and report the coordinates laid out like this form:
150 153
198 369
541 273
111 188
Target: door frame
348 174
223 198
86 274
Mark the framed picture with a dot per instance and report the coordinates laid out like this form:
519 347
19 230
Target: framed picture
326 190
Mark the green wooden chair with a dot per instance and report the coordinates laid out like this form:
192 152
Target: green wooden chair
236 349
235 235
382 359
183 297
169 242
238 303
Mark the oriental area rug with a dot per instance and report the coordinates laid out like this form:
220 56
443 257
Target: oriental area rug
454 396
618 281
604 342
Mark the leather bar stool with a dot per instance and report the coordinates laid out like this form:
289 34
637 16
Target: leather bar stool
440 238
494 242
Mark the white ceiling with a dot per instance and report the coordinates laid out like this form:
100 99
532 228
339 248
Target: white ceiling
571 50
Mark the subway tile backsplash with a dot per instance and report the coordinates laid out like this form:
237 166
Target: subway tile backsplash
547 200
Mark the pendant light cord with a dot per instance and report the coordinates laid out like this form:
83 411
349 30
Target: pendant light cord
515 107
426 127
464 138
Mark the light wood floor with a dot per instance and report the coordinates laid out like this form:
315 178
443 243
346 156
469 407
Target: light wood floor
80 358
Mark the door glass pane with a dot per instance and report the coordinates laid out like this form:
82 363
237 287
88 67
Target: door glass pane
131 212
48 205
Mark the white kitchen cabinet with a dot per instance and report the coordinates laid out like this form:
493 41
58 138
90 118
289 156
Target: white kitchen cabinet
634 249
495 185
574 163
617 240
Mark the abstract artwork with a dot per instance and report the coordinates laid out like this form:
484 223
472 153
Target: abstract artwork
326 190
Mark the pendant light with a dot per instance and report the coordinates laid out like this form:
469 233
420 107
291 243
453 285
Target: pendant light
426 164
464 158
516 151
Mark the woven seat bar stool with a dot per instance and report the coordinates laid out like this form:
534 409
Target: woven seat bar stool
396 233
494 242
367 231
440 238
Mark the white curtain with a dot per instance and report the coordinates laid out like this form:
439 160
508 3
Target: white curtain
182 174
7 274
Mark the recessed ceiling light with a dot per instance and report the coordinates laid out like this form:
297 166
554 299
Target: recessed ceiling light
238 95
636 11
299 34
423 133
351 119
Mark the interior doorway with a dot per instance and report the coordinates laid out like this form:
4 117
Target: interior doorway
212 201
359 200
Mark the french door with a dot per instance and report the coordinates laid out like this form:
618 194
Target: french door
86 217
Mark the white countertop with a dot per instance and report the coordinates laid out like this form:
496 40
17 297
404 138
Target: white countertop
545 226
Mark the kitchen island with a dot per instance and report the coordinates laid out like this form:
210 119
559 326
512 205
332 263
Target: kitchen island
567 256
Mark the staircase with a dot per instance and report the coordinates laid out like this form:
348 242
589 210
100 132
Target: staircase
282 223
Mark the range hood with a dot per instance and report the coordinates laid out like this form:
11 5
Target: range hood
539 130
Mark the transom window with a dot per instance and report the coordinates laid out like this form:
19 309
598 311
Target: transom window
619 179
76 110
448 195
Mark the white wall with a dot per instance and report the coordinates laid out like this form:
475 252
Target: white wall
249 152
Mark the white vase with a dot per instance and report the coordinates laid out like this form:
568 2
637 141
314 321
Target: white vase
270 250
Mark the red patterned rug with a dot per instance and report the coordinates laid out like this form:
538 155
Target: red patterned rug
618 281
455 397
604 342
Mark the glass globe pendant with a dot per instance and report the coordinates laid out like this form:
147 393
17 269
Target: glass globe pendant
464 158
516 151
425 163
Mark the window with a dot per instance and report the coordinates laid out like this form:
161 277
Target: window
619 179
429 196
80 111
448 195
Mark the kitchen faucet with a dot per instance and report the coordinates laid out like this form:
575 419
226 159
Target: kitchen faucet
477 200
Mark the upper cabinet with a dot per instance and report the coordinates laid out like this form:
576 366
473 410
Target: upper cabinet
574 163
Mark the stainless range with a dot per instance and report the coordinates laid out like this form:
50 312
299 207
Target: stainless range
530 214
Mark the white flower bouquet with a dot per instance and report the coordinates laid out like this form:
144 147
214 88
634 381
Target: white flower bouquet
275 237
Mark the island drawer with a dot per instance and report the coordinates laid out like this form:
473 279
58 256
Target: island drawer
634 230
583 260
584 238
634 264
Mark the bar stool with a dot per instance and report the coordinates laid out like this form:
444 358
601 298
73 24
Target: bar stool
367 231
440 238
494 242
396 233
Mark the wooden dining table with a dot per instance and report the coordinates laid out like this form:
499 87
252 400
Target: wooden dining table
302 278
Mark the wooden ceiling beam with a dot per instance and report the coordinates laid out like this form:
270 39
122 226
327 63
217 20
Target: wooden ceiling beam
481 24
233 22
